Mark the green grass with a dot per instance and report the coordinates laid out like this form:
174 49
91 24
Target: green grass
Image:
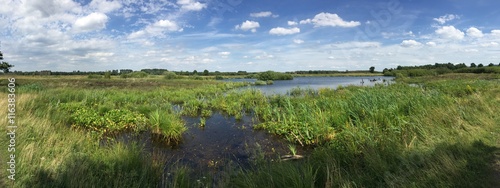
52 155
167 126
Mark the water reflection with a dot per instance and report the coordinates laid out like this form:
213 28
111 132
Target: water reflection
283 86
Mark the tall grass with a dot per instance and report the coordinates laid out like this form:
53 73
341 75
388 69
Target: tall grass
168 126
395 136
51 155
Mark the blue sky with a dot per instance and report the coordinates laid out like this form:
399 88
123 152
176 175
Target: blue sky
248 35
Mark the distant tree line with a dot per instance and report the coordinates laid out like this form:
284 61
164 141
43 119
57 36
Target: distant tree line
440 68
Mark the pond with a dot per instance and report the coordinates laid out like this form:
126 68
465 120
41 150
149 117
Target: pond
221 141
283 86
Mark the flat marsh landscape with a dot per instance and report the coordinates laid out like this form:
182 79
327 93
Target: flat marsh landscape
79 131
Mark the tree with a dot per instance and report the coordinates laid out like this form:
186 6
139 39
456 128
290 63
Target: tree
205 72
107 75
491 65
372 69
195 72
5 66
480 65
472 65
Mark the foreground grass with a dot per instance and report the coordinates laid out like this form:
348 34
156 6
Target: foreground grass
397 136
442 133
51 155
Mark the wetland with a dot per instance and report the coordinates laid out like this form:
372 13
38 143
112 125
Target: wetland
192 132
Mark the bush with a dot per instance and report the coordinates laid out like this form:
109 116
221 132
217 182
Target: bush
169 75
219 77
260 83
271 75
138 74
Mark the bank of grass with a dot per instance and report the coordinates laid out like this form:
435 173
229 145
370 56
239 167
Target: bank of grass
341 74
442 132
52 155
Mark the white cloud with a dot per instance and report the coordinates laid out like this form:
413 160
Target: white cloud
490 44
450 32
284 31
298 41
105 6
166 24
410 43
191 5
474 32
292 23
448 17
470 50
248 25
431 44
49 8
328 19
495 32
156 29
357 45
262 14
94 21
224 54
207 60
409 33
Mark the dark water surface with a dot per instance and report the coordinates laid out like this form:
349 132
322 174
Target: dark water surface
221 141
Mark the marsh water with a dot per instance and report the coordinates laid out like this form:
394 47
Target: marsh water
283 86
224 139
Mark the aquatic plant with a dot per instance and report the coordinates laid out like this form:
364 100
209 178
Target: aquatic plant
203 121
167 126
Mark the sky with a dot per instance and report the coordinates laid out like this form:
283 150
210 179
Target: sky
246 35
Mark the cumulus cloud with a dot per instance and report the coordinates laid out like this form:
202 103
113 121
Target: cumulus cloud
91 22
328 19
262 14
431 44
49 8
292 23
490 44
264 55
495 32
248 25
105 6
191 5
410 43
284 31
448 17
474 32
298 41
224 54
450 32
156 29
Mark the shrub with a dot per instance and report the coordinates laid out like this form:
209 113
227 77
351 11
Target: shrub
138 74
169 75
271 75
